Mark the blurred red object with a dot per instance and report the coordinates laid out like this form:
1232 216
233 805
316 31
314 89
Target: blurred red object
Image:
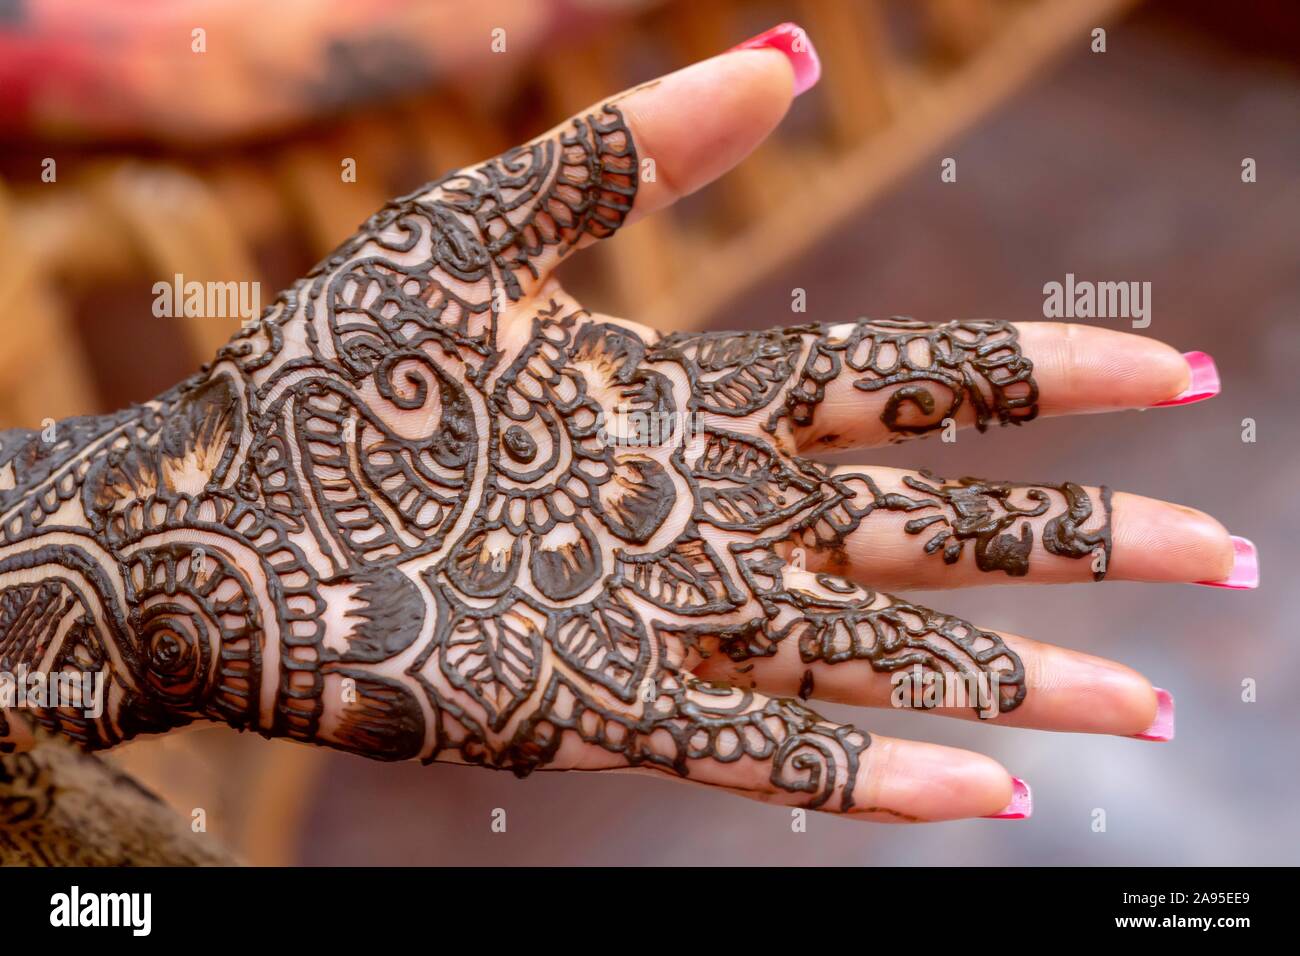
199 70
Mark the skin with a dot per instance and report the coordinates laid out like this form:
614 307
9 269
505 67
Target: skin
431 508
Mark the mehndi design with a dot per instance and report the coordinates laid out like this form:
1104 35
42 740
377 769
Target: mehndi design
933 369
421 511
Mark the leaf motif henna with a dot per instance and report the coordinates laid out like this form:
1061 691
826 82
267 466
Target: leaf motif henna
983 512
419 512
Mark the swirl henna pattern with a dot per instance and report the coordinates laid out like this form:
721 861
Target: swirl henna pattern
427 508
976 361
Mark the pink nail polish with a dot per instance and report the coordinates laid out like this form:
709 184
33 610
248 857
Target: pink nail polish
1021 806
1205 381
1245 567
1162 728
792 40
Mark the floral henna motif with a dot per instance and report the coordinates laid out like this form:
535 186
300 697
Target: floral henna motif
983 511
929 371
419 512
933 370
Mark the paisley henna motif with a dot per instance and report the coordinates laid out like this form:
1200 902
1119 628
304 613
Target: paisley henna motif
420 512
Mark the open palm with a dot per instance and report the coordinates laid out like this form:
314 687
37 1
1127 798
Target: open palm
429 507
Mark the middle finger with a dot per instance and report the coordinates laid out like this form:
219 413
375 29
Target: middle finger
900 529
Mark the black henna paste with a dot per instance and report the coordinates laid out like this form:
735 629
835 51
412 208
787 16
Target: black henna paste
511 545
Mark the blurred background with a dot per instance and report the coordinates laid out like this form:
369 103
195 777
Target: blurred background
1123 165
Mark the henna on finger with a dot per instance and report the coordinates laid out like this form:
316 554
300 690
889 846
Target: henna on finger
981 513
928 373
429 508
831 620
1003 523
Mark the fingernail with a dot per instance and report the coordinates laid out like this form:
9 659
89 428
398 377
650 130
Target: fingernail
1205 381
1162 728
792 40
1245 567
1021 806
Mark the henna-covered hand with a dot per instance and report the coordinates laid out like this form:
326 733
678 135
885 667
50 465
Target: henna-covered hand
429 507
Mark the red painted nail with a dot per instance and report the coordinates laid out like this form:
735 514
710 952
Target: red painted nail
1245 567
1205 381
1021 806
792 40
1162 728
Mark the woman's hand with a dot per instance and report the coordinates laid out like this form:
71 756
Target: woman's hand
429 507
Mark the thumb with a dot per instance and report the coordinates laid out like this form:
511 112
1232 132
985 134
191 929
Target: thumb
699 122
641 150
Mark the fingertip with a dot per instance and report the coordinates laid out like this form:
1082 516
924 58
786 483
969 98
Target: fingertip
917 781
1202 380
1160 728
1130 702
1074 692
1160 541
792 41
1021 805
699 122
1244 575
1082 369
